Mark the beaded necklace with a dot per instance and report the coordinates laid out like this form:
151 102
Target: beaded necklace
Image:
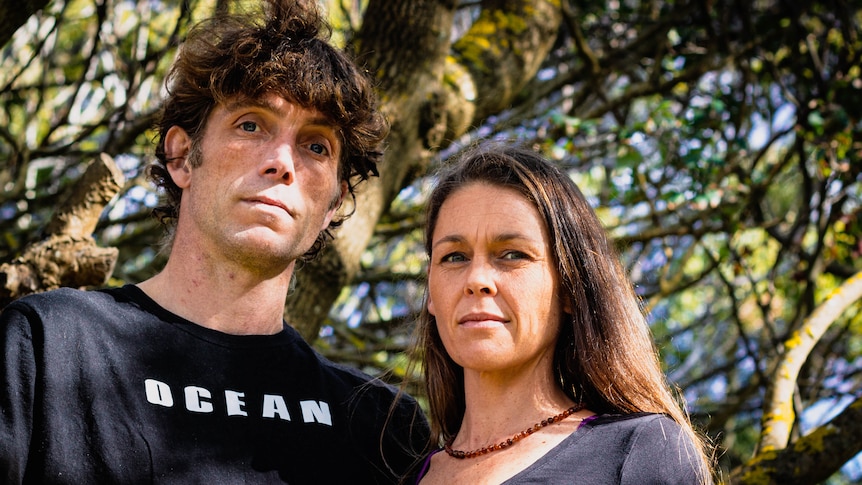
514 439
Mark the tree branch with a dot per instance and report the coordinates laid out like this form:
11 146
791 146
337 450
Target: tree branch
812 458
778 414
68 256
15 14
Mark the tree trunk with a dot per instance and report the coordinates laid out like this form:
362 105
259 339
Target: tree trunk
418 71
810 459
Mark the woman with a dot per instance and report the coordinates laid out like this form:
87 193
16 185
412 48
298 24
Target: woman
539 364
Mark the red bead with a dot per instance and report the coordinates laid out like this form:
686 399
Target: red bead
509 442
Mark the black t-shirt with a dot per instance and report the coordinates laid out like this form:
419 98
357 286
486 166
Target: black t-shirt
108 387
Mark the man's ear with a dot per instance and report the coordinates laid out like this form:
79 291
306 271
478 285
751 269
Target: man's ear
178 145
336 204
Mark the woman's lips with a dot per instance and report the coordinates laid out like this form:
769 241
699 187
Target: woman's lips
478 319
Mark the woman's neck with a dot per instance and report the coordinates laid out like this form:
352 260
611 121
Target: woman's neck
498 407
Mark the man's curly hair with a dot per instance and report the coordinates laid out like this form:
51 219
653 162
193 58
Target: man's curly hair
283 50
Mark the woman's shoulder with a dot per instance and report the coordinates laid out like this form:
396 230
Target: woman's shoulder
640 433
653 448
631 420
634 448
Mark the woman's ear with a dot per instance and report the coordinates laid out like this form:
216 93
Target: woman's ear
178 145
430 306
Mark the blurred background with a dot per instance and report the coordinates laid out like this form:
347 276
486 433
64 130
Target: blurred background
719 142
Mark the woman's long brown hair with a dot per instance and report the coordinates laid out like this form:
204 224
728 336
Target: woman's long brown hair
605 356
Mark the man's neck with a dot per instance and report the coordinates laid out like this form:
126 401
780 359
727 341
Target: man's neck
228 300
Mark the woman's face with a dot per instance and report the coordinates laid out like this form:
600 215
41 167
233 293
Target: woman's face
492 285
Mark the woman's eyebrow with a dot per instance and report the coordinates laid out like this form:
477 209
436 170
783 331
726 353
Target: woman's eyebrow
504 237
451 239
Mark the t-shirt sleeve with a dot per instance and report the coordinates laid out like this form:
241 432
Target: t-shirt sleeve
408 437
661 454
388 429
18 377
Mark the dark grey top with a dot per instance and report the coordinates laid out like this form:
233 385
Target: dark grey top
632 449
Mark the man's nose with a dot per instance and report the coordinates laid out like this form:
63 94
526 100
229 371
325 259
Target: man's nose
280 163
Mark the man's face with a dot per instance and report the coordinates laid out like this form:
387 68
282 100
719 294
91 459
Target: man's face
266 185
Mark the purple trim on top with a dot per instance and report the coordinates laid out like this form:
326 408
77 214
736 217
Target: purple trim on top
425 465
587 420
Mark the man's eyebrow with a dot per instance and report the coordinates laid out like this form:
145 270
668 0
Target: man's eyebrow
238 104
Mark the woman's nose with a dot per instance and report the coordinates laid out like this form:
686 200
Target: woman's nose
480 280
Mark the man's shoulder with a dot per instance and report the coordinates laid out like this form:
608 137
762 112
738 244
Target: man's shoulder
68 309
353 376
363 388
65 299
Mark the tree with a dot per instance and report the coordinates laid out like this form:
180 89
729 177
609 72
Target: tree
720 142
14 14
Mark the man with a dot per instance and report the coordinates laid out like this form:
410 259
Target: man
192 376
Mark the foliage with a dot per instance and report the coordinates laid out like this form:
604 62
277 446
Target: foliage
720 146
730 190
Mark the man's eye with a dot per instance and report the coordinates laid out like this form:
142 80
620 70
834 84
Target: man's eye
318 148
250 126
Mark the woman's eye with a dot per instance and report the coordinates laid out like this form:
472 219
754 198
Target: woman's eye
249 126
453 258
514 255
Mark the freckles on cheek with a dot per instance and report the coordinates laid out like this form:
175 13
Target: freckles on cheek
436 303
444 337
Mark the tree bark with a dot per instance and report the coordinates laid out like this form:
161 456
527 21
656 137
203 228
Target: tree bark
418 71
68 256
408 66
810 459
778 414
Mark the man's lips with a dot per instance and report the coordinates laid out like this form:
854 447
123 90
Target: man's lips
270 202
